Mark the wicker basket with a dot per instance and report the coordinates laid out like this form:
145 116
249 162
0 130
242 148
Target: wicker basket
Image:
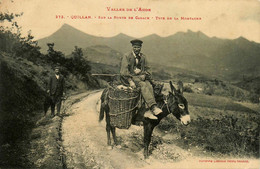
122 104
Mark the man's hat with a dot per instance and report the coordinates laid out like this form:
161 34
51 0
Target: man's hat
56 67
136 42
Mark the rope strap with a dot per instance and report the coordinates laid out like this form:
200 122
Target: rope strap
166 103
130 98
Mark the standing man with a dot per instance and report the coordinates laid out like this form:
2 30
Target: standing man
134 71
56 88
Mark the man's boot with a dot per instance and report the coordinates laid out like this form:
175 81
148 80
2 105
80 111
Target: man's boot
156 110
149 114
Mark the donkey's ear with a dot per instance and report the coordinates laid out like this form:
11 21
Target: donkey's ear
180 87
161 87
172 88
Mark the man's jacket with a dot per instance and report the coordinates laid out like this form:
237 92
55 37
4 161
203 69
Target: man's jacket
128 65
56 86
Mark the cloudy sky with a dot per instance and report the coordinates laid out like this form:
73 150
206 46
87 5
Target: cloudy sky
221 18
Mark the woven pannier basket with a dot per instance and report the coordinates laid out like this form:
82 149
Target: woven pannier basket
122 104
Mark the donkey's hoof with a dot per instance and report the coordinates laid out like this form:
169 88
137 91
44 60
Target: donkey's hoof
118 146
147 160
109 147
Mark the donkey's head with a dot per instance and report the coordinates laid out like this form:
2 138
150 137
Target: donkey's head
177 104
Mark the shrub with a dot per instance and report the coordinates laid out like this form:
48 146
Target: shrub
225 136
253 98
187 89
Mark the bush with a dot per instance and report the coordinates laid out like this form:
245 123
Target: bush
78 65
187 89
209 90
225 136
253 98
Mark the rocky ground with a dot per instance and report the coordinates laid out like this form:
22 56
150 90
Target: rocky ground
45 148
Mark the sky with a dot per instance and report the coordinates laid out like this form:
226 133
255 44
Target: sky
221 18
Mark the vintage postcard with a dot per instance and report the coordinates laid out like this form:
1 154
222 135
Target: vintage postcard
130 84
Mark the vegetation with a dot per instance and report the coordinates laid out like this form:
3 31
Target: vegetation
187 89
78 65
24 75
219 88
13 42
218 136
235 139
218 102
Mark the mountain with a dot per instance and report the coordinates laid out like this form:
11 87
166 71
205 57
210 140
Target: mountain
67 37
195 51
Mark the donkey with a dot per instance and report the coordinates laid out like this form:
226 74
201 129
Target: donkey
174 103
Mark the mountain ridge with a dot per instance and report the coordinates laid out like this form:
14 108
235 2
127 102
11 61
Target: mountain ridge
189 50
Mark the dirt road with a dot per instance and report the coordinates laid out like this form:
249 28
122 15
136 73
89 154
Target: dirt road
85 144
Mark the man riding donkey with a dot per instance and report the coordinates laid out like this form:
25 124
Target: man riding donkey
134 72
119 105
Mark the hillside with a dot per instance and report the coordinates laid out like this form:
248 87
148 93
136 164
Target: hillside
22 93
23 88
20 86
195 51
252 84
101 54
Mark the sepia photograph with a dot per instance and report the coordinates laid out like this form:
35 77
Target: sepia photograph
140 84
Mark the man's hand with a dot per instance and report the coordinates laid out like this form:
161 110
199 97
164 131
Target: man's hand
137 71
142 77
132 84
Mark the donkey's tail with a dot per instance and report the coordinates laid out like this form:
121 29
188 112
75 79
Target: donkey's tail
102 112
103 104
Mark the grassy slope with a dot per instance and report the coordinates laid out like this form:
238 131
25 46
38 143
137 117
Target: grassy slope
218 102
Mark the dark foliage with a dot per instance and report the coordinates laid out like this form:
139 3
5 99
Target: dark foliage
187 89
78 65
227 135
234 138
17 103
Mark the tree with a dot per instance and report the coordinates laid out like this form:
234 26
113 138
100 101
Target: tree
7 35
77 53
78 65
56 57
12 41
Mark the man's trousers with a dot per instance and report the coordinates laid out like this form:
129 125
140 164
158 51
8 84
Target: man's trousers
146 90
55 100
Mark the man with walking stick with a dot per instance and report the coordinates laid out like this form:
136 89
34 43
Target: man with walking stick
56 91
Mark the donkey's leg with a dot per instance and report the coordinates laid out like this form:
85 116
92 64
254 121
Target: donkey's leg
113 130
148 129
108 128
101 112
